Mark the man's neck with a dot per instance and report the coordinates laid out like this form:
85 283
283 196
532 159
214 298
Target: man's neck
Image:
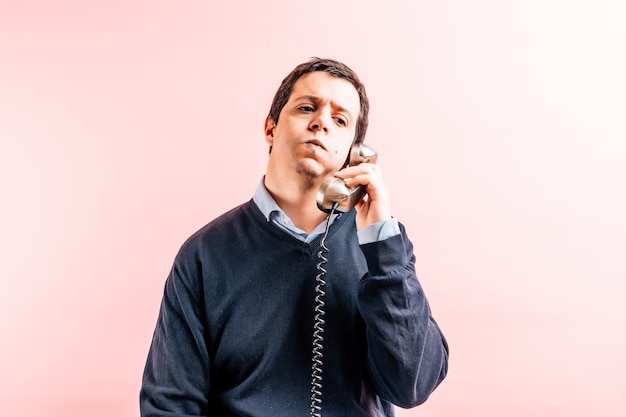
298 201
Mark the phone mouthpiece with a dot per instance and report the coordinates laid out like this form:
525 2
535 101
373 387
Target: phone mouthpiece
334 190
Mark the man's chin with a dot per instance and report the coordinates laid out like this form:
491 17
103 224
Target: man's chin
312 172
310 168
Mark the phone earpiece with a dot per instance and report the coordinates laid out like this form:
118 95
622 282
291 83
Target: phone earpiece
334 190
360 153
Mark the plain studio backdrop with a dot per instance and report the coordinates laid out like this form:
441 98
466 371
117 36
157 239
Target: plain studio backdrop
127 125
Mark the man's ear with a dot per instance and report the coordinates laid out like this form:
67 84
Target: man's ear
270 125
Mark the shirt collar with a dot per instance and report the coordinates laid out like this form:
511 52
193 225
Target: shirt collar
264 201
273 213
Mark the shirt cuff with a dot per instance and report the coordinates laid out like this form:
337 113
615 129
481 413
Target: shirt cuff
376 232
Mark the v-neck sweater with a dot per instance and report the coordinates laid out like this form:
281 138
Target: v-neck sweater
235 328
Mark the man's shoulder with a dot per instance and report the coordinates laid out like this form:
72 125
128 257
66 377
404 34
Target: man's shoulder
225 226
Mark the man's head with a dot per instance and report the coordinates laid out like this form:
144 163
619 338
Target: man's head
334 68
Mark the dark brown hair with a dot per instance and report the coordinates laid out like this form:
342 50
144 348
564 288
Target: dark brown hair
334 68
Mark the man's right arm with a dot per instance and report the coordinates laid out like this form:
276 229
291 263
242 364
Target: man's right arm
176 379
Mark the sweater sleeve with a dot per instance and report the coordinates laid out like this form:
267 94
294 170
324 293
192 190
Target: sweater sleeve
407 352
177 376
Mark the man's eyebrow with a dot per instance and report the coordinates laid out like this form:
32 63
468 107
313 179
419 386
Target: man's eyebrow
309 97
316 99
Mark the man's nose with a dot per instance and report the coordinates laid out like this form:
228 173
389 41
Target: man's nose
319 123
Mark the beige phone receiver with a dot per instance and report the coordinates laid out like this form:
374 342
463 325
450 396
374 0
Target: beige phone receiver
334 190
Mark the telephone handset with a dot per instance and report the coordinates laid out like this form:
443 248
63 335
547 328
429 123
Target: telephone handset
334 190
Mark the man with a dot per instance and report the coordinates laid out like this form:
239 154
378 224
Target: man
235 334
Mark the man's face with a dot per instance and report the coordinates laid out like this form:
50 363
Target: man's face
316 126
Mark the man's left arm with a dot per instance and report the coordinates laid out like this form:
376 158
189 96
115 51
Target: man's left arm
407 352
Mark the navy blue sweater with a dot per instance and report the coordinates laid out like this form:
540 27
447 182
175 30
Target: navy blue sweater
234 332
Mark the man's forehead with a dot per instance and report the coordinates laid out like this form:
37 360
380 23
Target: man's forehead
322 85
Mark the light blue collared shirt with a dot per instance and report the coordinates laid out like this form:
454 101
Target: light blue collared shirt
375 232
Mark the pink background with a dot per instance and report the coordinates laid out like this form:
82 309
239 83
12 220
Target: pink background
501 128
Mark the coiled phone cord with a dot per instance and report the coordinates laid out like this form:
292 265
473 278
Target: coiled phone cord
318 327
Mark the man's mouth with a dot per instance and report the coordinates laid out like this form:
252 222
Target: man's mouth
317 143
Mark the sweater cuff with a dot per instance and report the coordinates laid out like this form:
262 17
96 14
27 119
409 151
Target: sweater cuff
385 256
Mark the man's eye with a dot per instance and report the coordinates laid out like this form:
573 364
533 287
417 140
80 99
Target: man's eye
341 121
306 108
